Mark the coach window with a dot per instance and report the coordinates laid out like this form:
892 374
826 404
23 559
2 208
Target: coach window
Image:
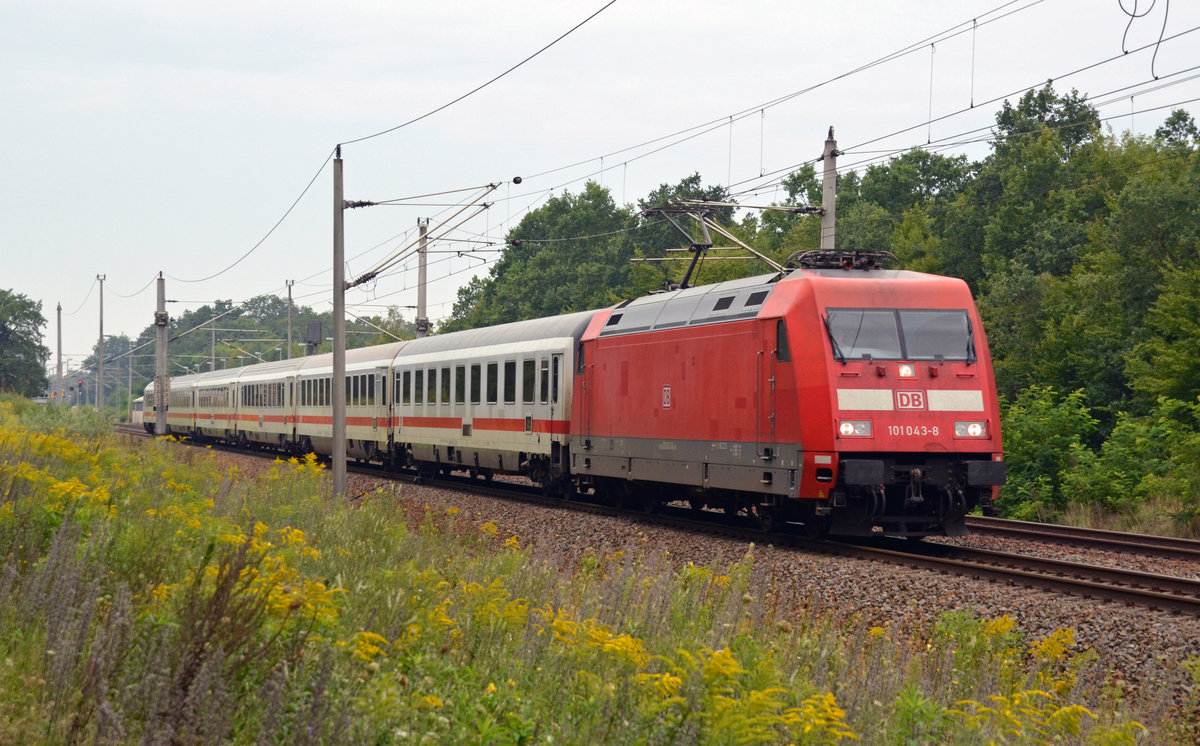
419 388
352 397
406 387
475 383
445 385
510 381
528 381
431 387
782 351
545 387
460 384
493 381
557 361
371 388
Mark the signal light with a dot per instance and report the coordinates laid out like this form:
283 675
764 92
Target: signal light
970 429
855 428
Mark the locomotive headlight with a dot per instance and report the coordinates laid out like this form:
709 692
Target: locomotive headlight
970 429
855 428
906 370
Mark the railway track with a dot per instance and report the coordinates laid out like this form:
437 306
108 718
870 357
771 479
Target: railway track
1163 592
1152 590
1142 544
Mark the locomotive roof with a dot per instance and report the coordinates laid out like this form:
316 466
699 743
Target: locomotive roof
704 304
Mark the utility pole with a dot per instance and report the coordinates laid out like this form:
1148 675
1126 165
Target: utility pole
212 350
129 368
60 392
289 287
422 317
339 331
829 193
100 377
160 360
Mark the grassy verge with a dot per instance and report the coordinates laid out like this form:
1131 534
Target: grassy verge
149 595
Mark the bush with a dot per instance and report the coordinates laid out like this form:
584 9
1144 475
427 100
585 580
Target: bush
1044 435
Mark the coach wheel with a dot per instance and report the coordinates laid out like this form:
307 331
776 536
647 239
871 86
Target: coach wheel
815 527
487 474
617 492
765 517
472 473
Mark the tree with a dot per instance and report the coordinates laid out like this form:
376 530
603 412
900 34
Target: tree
22 355
1167 364
1179 130
914 177
571 254
1075 120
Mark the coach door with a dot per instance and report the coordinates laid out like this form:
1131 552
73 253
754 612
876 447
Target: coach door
379 401
585 392
766 366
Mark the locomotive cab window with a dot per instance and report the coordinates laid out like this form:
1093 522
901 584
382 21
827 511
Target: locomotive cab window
900 334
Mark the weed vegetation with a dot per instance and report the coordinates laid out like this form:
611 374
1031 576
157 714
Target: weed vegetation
150 595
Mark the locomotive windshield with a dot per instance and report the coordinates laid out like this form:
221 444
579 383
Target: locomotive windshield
899 334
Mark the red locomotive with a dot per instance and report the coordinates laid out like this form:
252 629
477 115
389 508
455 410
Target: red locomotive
839 397
850 399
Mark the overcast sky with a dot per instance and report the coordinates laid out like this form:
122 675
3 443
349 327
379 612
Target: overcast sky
164 136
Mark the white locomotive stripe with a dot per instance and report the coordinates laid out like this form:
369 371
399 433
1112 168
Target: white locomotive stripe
955 401
865 399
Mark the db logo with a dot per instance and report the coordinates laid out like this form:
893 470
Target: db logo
910 400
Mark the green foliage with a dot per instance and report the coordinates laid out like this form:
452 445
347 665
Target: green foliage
1044 435
1167 362
571 254
22 355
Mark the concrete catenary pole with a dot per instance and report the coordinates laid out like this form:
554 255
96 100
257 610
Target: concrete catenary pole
59 392
829 193
422 315
129 370
289 287
100 376
160 360
338 383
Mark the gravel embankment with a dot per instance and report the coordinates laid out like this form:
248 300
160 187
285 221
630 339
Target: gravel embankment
1140 646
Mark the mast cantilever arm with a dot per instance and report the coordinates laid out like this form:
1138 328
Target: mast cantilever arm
705 222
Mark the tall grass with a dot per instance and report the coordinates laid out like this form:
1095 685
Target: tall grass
148 595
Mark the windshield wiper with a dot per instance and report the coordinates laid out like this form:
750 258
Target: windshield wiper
837 351
970 342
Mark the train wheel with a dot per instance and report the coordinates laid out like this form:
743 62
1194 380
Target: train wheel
815 527
765 517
